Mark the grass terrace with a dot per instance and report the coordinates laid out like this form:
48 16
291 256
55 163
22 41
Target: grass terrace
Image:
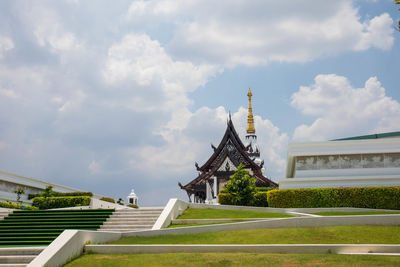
191 213
232 259
354 234
342 213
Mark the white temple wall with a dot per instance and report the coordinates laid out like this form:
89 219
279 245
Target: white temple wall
372 162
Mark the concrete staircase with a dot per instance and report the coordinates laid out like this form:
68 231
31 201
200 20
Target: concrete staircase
18 256
131 220
4 213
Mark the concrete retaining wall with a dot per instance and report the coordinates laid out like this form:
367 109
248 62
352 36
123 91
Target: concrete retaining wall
172 210
390 219
69 245
279 210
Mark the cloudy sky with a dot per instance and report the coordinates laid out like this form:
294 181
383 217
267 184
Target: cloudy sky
106 96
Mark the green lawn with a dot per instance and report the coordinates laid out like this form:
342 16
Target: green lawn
354 234
231 259
340 213
193 224
224 214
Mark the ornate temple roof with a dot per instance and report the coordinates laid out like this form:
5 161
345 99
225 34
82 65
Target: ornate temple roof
230 147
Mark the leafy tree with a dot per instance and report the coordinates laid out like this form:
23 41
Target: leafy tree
242 187
120 201
19 191
48 191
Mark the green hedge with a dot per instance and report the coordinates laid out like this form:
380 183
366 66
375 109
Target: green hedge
59 194
60 202
260 199
108 199
258 189
357 197
9 205
133 206
264 189
225 199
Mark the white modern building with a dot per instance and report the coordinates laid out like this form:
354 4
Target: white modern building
9 182
370 160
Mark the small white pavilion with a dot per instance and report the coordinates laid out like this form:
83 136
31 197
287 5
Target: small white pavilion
132 198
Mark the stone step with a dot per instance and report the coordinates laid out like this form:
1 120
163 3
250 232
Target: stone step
133 216
13 265
125 226
21 251
154 219
17 258
125 223
122 230
140 210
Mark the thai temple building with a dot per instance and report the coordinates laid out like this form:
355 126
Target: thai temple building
230 153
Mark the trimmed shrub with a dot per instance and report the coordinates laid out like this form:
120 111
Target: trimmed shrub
387 197
9 205
59 194
258 189
265 189
225 199
223 191
60 202
133 206
260 199
108 199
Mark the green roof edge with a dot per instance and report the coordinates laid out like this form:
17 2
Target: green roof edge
370 136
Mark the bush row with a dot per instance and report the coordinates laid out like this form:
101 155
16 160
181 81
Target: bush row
260 199
108 199
258 189
9 205
356 197
60 202
265 189
59 194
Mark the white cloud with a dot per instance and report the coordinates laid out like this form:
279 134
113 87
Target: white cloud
52 35
192 143
377 33
6 44
230 33
94 167
342 110
8 93
143 61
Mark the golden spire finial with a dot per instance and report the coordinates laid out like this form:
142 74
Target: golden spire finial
250 119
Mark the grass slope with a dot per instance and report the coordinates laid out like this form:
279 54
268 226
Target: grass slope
191 213
193 224
355 234
232 259
341 213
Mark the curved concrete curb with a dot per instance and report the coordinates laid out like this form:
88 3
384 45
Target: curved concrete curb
195 221
258 248
390 219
